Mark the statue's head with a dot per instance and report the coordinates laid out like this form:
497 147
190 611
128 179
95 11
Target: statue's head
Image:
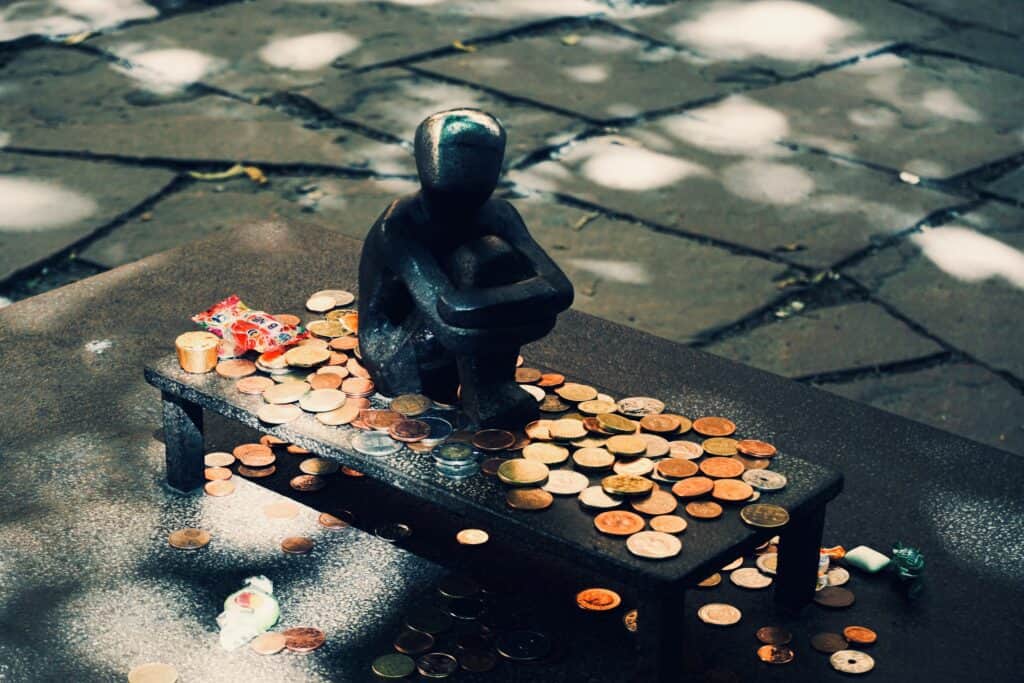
459 153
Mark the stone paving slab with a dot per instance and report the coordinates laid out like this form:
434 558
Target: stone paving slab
857 335
717 172
65 100
960 398
50 204
963 282
996 14
1010 185
349 206
396 100
994 49
671 287
932 116
760 40
591 71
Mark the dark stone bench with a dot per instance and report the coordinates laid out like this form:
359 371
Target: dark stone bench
90 413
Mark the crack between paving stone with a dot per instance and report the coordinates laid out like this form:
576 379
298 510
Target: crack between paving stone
956 57
900 367
192 164
59 260
951 22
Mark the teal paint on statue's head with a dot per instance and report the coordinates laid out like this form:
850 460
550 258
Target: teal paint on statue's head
459 154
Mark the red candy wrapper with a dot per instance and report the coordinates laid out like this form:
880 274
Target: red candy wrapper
246 329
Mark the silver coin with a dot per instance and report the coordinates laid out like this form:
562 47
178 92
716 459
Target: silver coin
595 497
685 450
837 576
638 406
565 482
439 430
377 444
764 480
532 390
852 662
750 577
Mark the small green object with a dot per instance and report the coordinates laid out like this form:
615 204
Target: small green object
866 559
394 666
908 562
455 451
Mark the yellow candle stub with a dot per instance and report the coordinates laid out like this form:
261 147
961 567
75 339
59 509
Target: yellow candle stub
197 351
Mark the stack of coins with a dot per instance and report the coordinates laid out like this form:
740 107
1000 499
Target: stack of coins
456 460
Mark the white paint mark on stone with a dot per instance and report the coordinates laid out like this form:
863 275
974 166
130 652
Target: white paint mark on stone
736 125
31 204
768 182
587 73
98 346
779 29
948 104
5 139
970 256
873 116
169 70
4 302
54 18
308 52
627 272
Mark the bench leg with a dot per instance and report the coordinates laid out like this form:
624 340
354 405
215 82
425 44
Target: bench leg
799 548
183 440
661 620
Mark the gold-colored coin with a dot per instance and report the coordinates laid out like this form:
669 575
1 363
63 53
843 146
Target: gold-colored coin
616 423
527 375
566 429
626 445
663 423
216 473
472 537
547 453
222 487
656 446
189 538
539 430
553 404
597 407
269 643
529 499
711 581
327 328
306 356
411 405
629 620
522 472
589 441
593 458
286 392
703 509
577 393
319 466
720 445
668 524
627 485
764 515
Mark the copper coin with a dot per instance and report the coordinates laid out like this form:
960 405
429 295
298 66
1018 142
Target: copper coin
528 375
828 643
349 472
619 523
861 635
262 458
324 381
357 386
288 319
319 466
307 483
409 430
295 449
254 473
774 635
752 463
721 468
629 620
269 643
755 448
658 503
254 385
297 545
189 539
694 487
775 654
472 537
675 468
668 524
329 521
529 499
236 368
357 370
344 343
661 423
731 490
242 450
834 597
216 473
219 488
269 440
593 426
303 639
713 426
343 415
597 599
551 379
711 581
411 642
703 509
493 439
490 466
380 419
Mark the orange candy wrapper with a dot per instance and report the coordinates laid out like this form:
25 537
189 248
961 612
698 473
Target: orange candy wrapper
246 329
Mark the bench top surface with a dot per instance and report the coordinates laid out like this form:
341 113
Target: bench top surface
74 358
565 528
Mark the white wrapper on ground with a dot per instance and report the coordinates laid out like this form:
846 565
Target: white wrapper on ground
248 612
